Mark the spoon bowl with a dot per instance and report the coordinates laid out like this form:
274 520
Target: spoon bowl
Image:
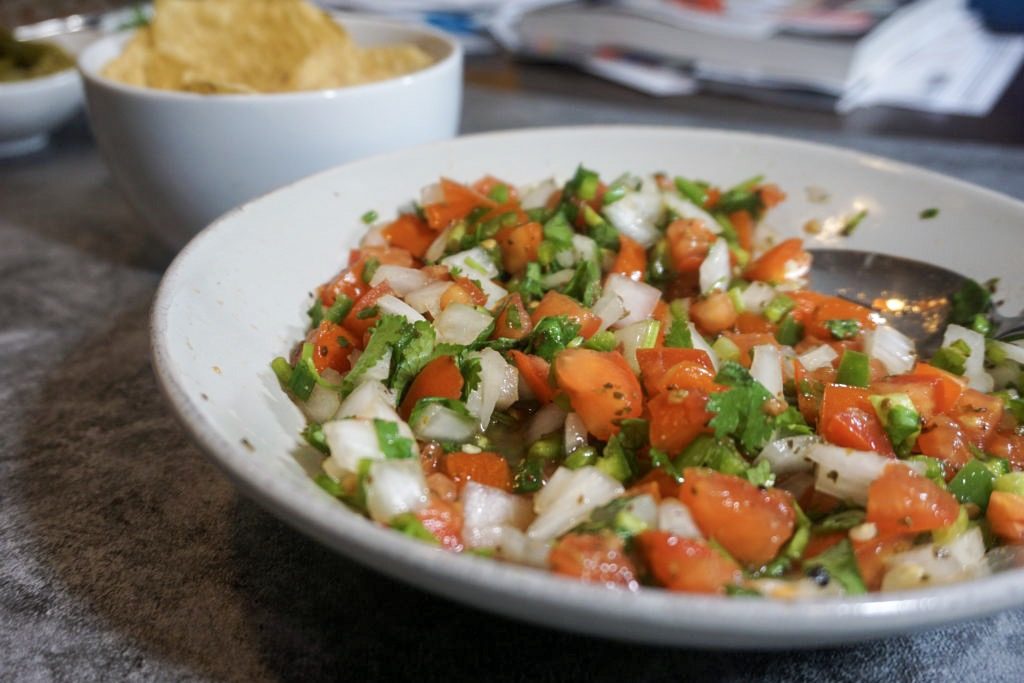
913 296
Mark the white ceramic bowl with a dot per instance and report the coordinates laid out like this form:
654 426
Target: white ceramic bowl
183 159
235 298
30 110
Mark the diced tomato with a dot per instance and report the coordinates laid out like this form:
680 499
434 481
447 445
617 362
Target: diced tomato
631 260
463 291
654 363
1006 515
677 418
487 184
438 378
808 393
350 281
871 556
746 342
944 438
785 261
487 468
458 201
667 486
814 309
921 390
771 195
535 371
686 565
849 420
752 323
444 520
556 304
743 223
1009 446
979 414
601 387
332 345
512 322
689 376
750 522
594 558
357 325
519 245
903 502
689 241
713 313
950 387
410 233
650 488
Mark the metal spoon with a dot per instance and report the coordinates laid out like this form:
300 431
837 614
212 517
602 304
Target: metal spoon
912 296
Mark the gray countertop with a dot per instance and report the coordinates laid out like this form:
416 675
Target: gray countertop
125 555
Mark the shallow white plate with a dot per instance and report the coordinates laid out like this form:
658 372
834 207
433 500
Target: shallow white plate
235 298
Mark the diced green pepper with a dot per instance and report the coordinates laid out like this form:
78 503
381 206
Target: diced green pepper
790 332
583 456
900 418
692 191
1010 483
973 484
778 307
854 369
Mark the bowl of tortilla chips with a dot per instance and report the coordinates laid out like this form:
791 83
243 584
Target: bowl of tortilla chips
216 102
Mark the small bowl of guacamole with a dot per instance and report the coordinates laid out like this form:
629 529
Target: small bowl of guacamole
39 92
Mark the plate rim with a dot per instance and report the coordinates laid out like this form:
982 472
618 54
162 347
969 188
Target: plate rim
650 616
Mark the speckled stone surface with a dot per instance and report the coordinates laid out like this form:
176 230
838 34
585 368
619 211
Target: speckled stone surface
124 555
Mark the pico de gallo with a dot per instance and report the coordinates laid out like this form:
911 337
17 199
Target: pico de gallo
624 383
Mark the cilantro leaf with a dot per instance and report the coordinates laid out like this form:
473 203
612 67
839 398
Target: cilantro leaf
678 335
585 285
385 334
392 444
739 412
843 328
660 460
411 353
551 335
469 366
971 300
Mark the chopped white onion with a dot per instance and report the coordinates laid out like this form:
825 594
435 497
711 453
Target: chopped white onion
392 305
818 357
687 209
374 237
675 518
402 280
513 545
575 432
494 293
609 309
485 510
715 269
494 376
548 419
894 349
584 247
566 258
846 473
461 324
757 296
428 299
473 263
352 440
641 335
438 423
634 216
431 194
557 278
645 509
568 498
934 564
536 196
974 366
786 455
394 487
369 400
766 368
323 403
638 299
437 248
700 343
